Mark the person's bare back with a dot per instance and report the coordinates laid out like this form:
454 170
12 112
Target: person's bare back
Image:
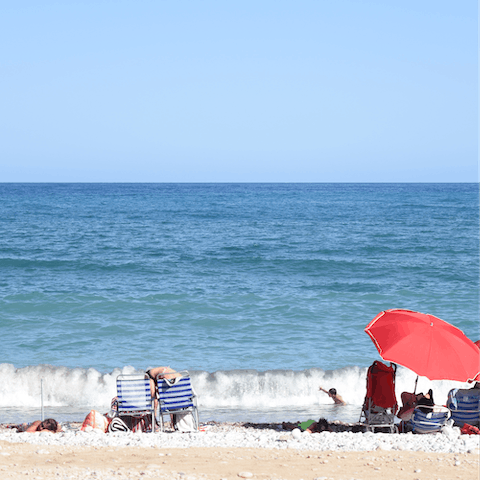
38 426
332 393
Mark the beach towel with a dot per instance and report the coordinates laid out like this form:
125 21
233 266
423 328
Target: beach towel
184 422
304 425
139 424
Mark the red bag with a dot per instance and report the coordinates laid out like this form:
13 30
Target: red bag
468 429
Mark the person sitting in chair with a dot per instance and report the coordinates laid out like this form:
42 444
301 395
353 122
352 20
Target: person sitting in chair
426 400
165 372
332 393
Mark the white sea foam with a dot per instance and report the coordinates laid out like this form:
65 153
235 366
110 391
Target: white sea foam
234 389
226 396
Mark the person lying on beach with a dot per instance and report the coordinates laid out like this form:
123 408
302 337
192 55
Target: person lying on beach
332 393
38 426
410 401
320 426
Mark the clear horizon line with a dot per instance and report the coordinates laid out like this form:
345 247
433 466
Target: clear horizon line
237 183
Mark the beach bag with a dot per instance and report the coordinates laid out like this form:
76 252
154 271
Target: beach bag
468 429
95 421
118 425
184 422
409 402
130 423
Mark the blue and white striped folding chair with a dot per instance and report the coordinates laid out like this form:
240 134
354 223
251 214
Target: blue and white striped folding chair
176 396
465 406
429 422
134 396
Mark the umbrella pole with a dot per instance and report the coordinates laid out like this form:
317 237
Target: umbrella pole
415 389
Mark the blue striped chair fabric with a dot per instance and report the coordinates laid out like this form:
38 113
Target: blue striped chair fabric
133 392
178 397
430 422
465 406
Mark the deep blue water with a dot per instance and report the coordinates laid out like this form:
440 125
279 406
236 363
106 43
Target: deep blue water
220 277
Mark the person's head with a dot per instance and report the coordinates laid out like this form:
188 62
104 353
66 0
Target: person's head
332 391
48 424
321 426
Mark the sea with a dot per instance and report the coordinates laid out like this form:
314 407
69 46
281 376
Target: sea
261 291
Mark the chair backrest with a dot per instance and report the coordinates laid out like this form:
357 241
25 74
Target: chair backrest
381 386
176 396
464 405
133 392
430 421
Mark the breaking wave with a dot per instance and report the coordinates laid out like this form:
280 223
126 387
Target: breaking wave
245 389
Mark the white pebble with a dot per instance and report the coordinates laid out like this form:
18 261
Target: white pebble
245 474
229 436
296 434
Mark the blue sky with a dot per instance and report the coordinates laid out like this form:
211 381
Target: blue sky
239 91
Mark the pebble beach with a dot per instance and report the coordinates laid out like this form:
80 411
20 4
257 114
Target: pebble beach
236 450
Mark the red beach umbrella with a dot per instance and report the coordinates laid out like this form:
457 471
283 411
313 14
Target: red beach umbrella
426 344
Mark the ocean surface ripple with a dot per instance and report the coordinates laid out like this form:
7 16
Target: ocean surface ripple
227 277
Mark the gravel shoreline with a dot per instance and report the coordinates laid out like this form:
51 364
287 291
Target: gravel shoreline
232 451
248 435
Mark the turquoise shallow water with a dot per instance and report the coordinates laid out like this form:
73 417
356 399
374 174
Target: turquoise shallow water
223 277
